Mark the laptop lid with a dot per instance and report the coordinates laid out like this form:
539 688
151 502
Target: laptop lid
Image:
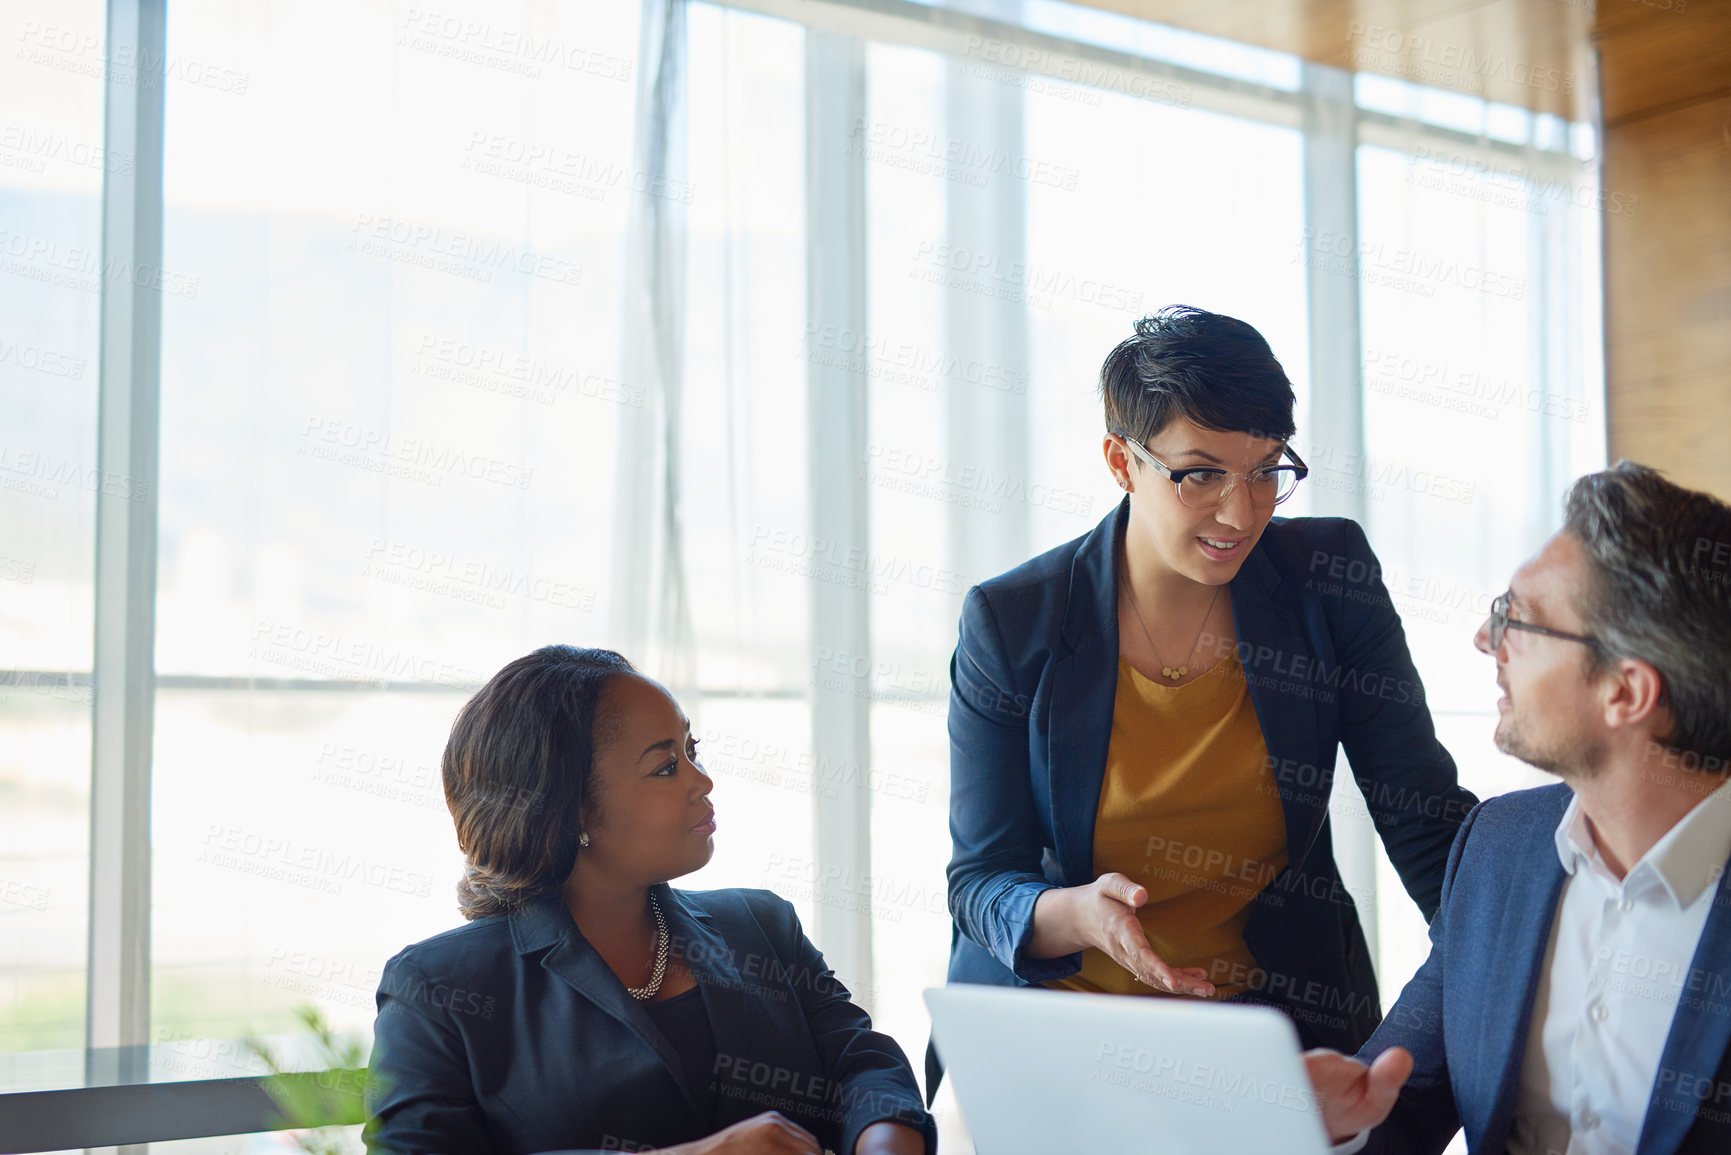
1040 1071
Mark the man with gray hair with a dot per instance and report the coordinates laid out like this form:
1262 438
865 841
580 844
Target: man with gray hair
1577 998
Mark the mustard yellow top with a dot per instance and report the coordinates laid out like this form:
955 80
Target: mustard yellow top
1189 810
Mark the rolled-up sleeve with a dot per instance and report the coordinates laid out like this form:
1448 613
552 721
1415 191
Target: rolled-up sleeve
995 831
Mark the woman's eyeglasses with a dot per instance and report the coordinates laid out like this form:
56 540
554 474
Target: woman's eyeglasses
1207 486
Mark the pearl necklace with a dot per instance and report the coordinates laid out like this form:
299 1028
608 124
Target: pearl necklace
643 993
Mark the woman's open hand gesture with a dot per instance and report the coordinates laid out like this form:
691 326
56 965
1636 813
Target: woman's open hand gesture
1102 915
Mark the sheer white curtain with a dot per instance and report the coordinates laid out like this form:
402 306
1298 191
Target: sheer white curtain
651 605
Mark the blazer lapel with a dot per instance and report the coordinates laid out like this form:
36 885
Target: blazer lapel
1524 931
1700 1034
572 959
1083 686
1277 658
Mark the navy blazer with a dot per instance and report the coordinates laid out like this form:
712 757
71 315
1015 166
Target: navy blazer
1033 684
510 1034
1465 1014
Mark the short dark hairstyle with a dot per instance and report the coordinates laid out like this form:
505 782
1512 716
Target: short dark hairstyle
1659 590
1187 362
517 774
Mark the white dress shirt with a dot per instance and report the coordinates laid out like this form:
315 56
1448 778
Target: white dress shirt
1617 962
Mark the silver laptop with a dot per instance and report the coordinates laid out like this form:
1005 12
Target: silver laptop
1039 1072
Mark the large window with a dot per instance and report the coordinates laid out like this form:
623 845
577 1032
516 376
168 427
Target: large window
517 323
389 421
52 161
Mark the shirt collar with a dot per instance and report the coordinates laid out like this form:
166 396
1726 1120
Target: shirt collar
1574 841
1686 861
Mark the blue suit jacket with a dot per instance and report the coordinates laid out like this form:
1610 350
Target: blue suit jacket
1034 677
510 1034
1464 1016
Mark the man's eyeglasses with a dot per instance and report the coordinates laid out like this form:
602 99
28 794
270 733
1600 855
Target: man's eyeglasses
1206 486
1501 623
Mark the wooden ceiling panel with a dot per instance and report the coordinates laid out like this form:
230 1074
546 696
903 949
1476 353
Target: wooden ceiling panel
1531 53
1656 59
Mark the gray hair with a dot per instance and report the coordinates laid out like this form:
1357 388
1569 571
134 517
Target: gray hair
1659 590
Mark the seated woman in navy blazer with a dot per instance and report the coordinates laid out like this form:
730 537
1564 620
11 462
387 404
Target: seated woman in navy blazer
586 1004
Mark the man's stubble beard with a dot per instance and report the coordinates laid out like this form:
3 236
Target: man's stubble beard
1576 759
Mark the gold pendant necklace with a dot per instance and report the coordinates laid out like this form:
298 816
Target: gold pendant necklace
1172 672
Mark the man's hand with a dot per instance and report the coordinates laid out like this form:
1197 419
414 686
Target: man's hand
1355 1097
1102 915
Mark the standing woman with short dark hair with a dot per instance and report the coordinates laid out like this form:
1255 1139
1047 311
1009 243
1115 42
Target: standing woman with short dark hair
587 1004
1144 721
